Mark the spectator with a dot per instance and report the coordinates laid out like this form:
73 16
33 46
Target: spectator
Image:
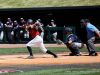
22 24
42 30
1 32
9 24
53 32
15 29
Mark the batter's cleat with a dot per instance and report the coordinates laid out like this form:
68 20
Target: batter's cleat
30 57
96 54
55 56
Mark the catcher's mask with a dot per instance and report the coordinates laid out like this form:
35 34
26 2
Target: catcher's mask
83 21
30 21
68 30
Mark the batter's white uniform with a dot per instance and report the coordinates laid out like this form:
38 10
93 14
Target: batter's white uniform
37 40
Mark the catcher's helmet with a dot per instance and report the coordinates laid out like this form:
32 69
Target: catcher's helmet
68 30
30 21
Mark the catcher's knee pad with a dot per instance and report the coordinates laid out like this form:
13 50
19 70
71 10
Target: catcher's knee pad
74 47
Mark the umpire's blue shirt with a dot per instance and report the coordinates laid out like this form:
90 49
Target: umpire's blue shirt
90 30
73 38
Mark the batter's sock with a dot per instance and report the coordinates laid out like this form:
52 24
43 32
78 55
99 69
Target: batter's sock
49 52
30 50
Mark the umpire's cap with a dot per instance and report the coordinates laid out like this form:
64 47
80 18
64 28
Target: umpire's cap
68 30
30 21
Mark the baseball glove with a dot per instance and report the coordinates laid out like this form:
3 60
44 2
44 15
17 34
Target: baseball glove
59 42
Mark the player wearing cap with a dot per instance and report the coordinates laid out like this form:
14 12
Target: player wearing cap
22 24
74 43
33 30
9 24
15 29
42 30
94 36
53 32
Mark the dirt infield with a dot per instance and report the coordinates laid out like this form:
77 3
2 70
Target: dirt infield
41 59
24 45
63 58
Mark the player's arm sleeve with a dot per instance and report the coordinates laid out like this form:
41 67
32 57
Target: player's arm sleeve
71 39
2 25
17 27
29 28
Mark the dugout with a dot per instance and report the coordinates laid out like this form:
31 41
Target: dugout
63 16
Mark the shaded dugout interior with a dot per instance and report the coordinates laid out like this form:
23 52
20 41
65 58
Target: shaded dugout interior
63 16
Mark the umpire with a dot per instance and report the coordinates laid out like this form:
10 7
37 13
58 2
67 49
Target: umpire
94 36
74 43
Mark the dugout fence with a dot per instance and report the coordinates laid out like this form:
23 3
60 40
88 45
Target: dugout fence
60 34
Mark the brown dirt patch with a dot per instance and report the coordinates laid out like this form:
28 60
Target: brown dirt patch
47 59
24 45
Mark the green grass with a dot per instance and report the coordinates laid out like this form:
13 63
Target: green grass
61 72
46 3
37 49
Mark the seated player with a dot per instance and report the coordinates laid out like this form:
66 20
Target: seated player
33 30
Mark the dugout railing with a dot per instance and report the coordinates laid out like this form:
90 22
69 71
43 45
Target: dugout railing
60 31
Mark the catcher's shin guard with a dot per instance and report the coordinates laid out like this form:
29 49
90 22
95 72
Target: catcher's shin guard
75 48
71 49
30 50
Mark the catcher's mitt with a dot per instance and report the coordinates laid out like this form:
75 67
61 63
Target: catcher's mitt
59 42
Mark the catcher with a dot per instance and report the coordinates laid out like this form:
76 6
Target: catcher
73 44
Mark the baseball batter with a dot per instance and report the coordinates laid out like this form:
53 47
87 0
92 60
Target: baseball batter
33 30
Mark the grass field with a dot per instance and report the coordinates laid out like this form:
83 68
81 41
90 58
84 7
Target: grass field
71 71
61 72
37 49
46 3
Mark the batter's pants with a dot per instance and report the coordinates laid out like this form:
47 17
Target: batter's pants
37 41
